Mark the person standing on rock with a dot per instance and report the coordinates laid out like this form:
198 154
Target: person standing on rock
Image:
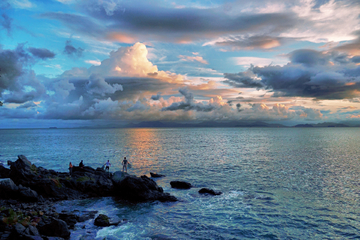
107 164
81 164
125 163
70 168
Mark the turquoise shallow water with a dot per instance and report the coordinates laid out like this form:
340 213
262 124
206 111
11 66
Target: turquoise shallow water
283 183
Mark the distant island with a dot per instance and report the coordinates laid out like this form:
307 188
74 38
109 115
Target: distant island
220 124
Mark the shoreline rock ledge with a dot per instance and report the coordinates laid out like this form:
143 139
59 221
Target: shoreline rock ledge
28 183
27 195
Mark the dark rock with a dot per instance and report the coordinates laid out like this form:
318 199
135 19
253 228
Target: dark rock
33 231
56 228
155 175
180 184
70 219
18 229
209 191
40 184
118 176
86 215
140 189
102 221
4 172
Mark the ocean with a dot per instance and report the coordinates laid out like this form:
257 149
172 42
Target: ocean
277 183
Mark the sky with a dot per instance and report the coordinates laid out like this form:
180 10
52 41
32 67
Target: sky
76 63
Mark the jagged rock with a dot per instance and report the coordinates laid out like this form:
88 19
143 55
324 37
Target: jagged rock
155 175
141 189
180 184
56 228
209 191
84 182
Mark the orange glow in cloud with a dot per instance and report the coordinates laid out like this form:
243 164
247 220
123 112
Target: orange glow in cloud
120 37
193 58
354 116
350 84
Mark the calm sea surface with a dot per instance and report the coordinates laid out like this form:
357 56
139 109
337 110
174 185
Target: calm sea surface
283 183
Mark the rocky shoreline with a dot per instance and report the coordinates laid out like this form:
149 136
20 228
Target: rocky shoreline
28 194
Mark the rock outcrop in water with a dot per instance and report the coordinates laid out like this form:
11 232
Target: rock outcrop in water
180 185
27 193
31 183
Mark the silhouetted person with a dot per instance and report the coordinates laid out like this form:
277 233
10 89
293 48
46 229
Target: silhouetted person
70 168
81 164
125 163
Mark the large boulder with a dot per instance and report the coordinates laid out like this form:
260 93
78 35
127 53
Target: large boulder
180 184
140 189
55 227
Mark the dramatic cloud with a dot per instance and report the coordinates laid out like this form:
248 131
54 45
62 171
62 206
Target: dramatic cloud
72 51
310 73
17 83
42 53
189 103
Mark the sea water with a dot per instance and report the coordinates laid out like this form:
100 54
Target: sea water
277 183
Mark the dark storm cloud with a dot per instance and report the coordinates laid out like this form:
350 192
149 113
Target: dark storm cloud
309 74
188 104
17 83
72 51
308 57
6 22
11 66
169 24
42 53
242 80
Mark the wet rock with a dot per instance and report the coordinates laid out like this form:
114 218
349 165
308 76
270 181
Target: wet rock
40 184
86 215
140 189
102 221
180 184
56 228
70 219
209 191
155 175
